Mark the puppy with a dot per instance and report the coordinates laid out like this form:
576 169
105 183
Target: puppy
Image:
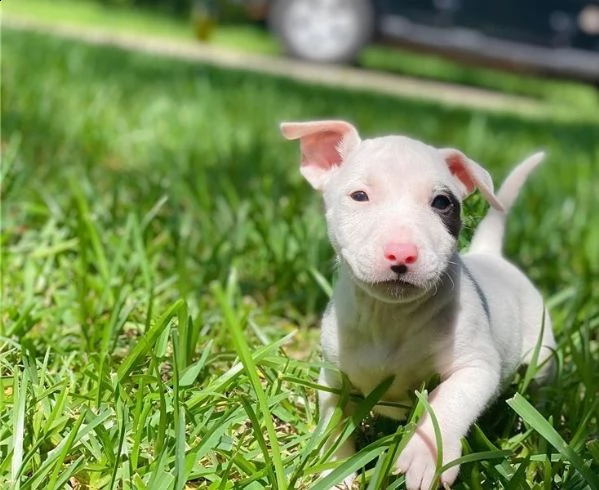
406 305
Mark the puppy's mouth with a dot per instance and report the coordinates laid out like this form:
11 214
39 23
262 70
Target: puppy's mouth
396 289
397 282
399 286
389 287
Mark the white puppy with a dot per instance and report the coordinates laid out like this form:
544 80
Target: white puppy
406 304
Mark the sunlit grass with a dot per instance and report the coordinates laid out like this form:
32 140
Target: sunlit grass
127 20
163 264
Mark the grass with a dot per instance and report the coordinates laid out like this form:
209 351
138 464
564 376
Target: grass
163 263
562 97
127 20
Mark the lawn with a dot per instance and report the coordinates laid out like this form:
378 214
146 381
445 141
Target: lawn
560 96
164 266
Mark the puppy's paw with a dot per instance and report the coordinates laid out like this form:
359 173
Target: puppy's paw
346 484
418 462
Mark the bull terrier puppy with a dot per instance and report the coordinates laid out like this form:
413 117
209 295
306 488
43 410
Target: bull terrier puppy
406 304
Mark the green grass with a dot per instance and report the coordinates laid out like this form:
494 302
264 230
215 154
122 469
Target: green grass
163 263
95 14
127 20
563 97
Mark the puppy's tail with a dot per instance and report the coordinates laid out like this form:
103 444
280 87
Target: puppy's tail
488 237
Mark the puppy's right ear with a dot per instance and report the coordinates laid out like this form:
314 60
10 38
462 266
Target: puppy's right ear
323 144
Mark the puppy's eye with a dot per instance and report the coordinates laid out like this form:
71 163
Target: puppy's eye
441 203
359 196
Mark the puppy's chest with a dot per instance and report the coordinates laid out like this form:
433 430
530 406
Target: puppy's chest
375 348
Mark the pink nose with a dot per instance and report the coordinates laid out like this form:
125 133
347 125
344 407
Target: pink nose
401 253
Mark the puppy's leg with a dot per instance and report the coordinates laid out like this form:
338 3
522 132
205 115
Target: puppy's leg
456 403
327 403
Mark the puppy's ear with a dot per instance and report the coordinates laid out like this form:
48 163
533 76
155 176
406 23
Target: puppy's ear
470 176
323 144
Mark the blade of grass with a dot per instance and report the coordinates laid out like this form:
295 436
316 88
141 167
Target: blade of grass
146 342
190 373
384 466
533 418
64 451
38 476
122 416
532 368
245 357
322 281
219 384
362 410
179 350
354 463
180 449
474 457
20 393
423 399
66 475
259 436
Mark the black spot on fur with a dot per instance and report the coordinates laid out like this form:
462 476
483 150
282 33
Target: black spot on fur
480 293
451 216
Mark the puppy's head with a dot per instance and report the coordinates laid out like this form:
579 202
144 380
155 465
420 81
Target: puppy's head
392 203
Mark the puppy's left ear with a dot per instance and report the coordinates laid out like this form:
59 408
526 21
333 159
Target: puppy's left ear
470 176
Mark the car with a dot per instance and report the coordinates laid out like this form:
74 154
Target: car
556 37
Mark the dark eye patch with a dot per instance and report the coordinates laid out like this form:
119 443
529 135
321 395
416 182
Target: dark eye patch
441 202
448 208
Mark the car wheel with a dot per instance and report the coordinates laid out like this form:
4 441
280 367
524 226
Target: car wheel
323 30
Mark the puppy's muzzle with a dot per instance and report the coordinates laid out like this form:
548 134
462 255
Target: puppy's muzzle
400 256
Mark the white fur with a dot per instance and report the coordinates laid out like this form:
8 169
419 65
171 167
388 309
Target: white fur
439 323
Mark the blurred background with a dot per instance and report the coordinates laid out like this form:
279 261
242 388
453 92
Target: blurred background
188 94
554 37
557 37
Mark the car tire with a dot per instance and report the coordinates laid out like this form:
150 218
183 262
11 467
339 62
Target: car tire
327 31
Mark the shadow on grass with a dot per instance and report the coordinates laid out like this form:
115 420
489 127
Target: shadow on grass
135 128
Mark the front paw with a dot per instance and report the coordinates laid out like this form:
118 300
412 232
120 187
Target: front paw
418 461
346 484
